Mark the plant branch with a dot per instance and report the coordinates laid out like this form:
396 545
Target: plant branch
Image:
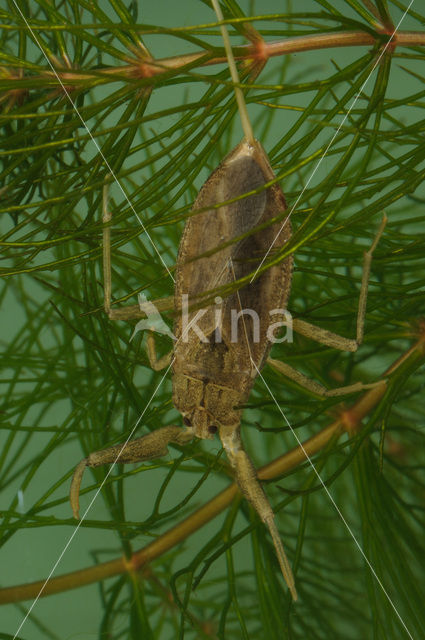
260 51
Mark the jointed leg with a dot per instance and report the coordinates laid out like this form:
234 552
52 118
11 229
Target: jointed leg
151 446
106 217
156 363
316 387
250 487
132 311
123 313
333 339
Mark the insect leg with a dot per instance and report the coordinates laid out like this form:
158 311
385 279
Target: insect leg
106 244
153 445
128 312
316 387
156 363
250 487
333 339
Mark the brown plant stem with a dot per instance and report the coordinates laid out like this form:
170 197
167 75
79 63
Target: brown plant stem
348 420
259 52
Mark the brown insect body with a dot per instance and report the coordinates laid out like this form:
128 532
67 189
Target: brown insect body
220 348
217 356
212 377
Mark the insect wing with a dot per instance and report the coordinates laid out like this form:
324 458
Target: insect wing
205 232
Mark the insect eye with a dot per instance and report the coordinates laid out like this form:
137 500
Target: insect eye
212 428
187 422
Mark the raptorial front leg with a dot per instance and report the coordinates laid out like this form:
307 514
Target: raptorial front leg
246 477
148 447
